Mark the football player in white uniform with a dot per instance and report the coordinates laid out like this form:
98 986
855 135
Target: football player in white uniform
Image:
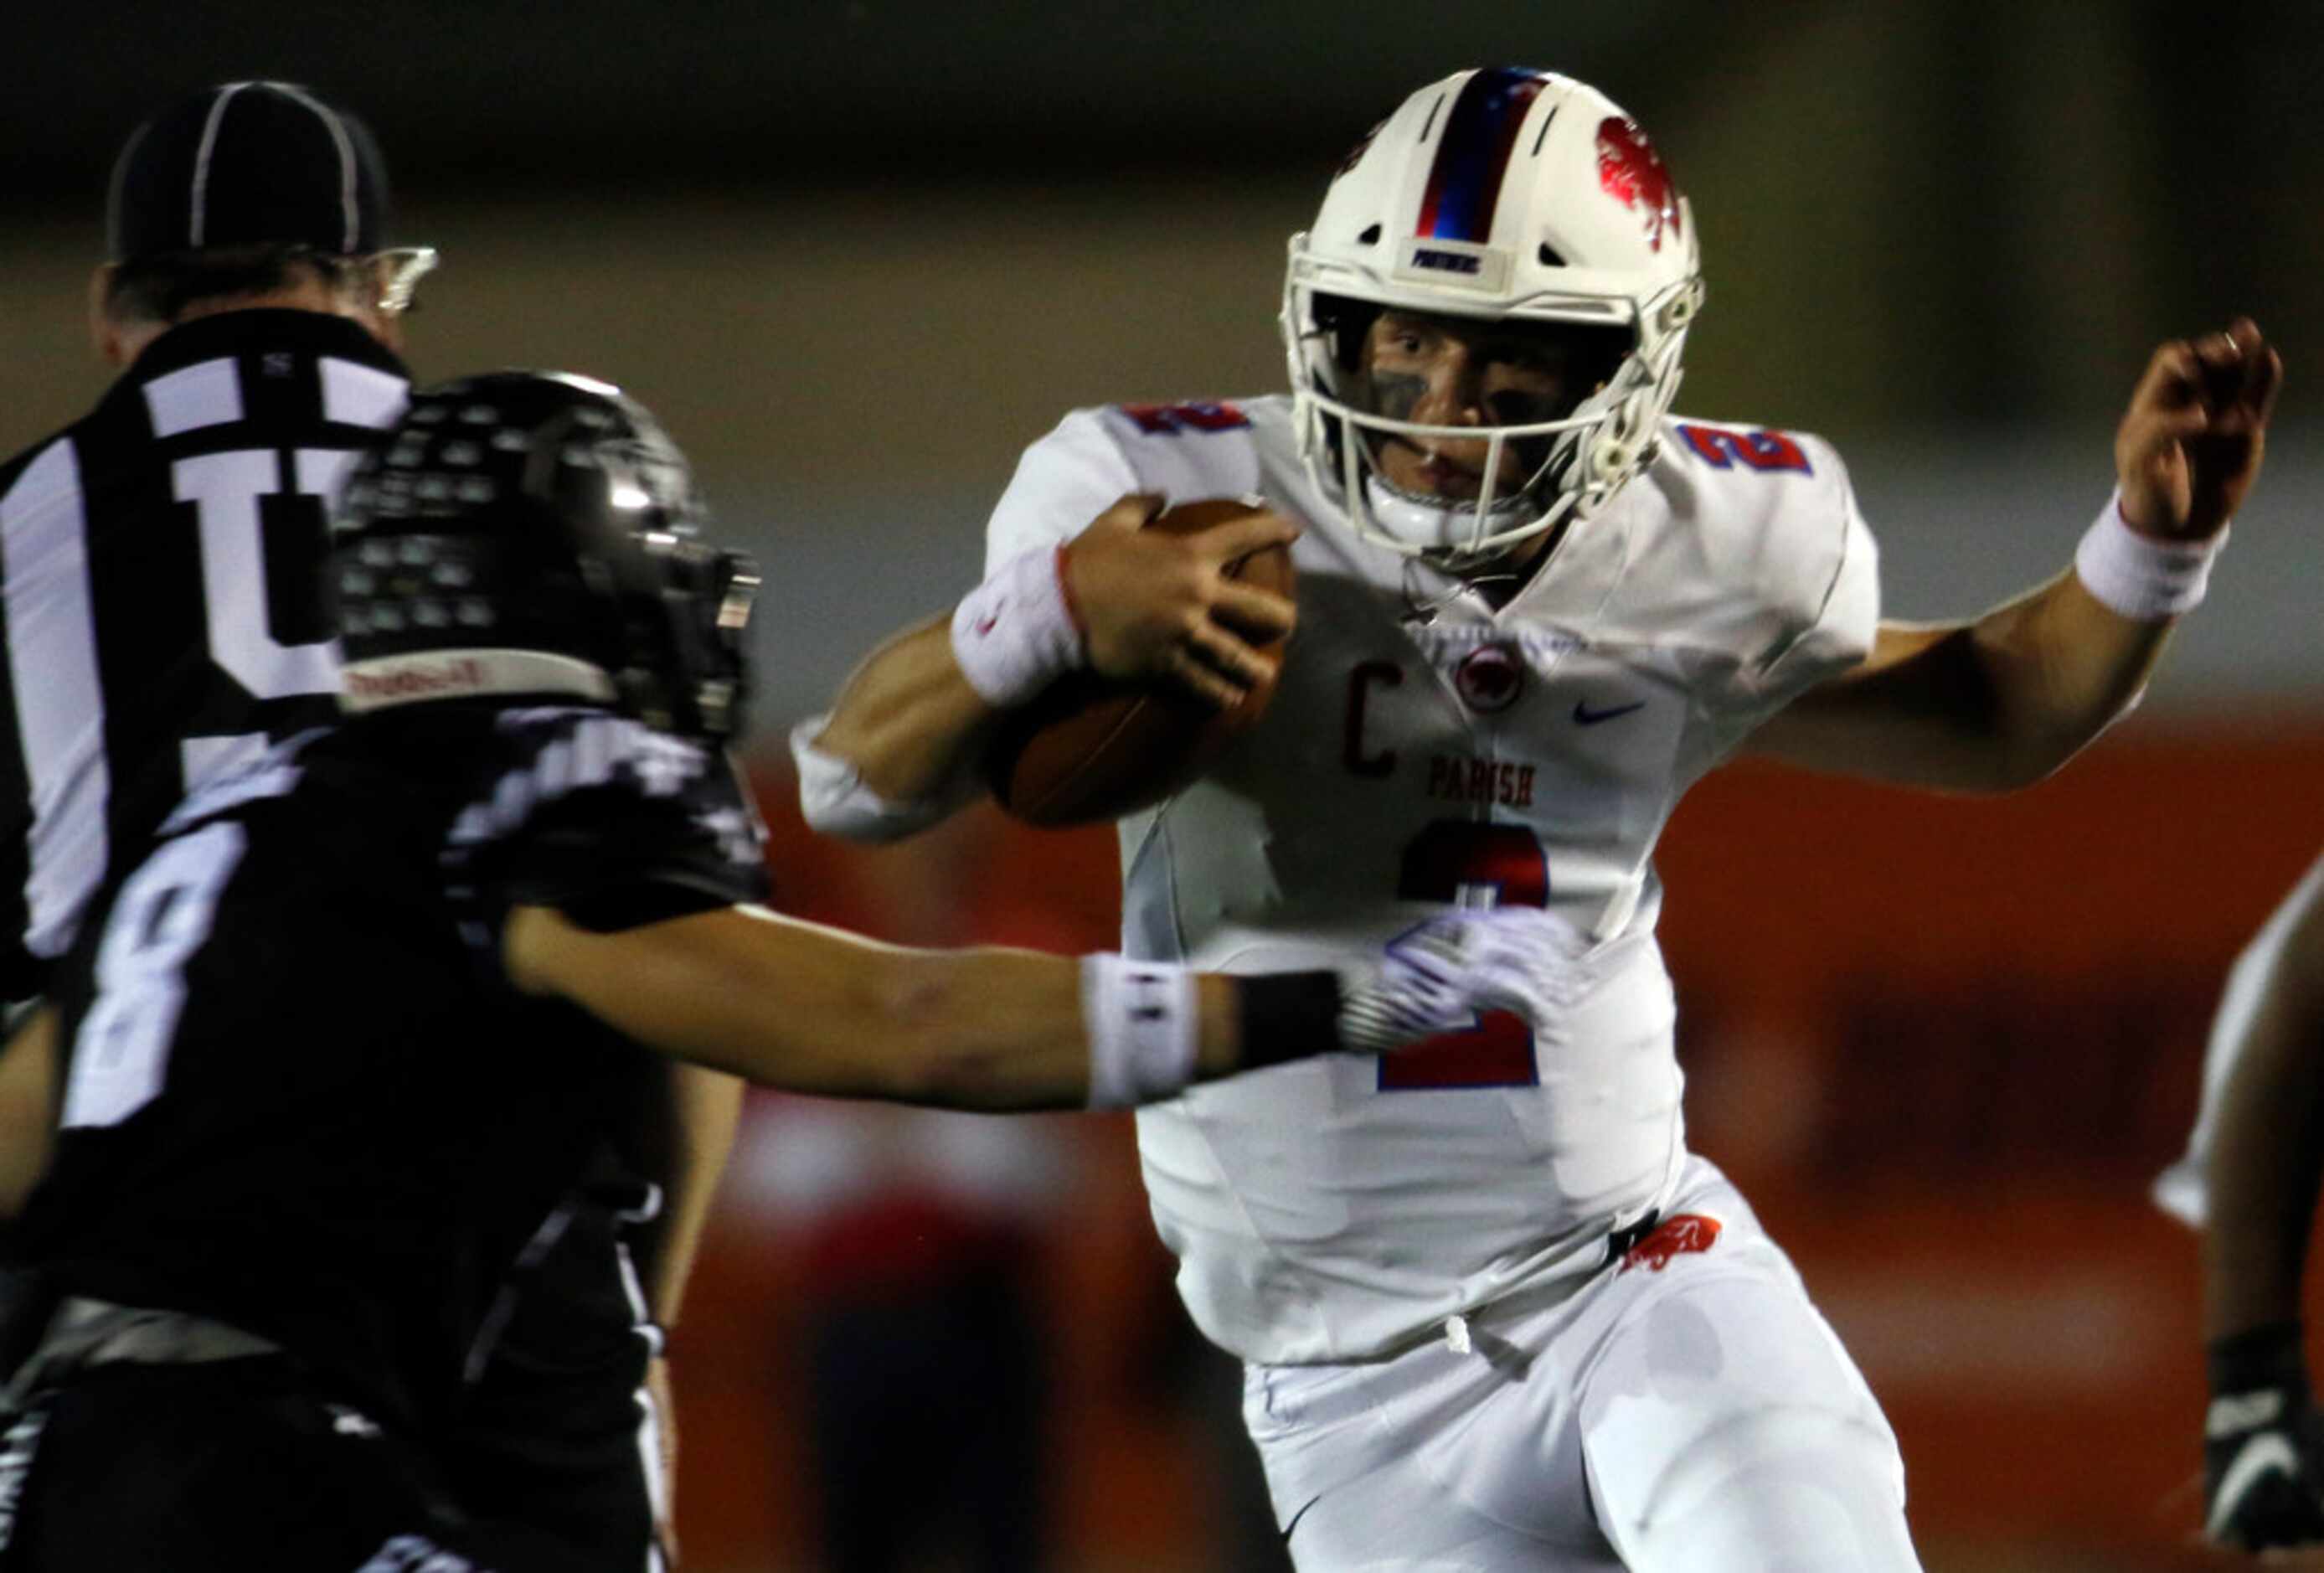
1494 1315
2249 1183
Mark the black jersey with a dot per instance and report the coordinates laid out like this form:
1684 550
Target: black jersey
299 1096
159 566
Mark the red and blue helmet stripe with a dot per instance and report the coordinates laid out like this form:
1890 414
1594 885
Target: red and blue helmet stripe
1472 154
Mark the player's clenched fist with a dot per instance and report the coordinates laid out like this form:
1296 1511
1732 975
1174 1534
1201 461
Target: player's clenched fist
1156 604
2189 447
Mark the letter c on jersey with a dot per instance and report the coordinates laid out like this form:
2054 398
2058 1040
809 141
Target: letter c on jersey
1387 674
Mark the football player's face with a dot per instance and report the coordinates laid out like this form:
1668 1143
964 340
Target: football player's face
1458 371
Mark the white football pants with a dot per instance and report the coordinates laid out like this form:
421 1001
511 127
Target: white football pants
1696 1416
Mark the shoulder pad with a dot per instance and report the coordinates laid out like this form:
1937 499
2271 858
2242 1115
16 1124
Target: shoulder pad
1181 419
1202 449
1752 532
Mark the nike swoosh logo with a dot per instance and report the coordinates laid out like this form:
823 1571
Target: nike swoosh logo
1583 716
2268 1450
1296 1517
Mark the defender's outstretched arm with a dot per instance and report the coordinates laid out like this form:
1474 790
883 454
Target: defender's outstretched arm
796 1005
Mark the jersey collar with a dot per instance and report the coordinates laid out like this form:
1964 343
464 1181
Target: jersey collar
264 327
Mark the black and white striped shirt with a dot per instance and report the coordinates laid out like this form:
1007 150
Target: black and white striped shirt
160 571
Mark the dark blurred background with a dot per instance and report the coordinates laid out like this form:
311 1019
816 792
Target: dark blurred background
858 253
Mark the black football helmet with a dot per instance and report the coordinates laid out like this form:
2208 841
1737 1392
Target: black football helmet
535 535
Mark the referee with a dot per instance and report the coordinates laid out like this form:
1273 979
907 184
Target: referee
159 555
159 565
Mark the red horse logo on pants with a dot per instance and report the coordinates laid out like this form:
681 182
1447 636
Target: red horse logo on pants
1681 1234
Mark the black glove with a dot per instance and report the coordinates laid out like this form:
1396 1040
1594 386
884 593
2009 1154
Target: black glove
2263 1443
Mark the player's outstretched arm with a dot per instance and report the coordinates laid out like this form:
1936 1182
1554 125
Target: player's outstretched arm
2002 700
2263 1444
1129 603
810 1009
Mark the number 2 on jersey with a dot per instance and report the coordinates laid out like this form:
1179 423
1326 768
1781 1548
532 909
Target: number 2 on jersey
1464 863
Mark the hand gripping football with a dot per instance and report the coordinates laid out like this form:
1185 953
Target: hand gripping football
1091 749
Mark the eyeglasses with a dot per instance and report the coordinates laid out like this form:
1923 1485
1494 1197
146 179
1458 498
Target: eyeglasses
400 269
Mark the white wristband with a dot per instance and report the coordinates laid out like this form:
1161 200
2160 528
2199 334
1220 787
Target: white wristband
2139 577
1015 633
1143 1027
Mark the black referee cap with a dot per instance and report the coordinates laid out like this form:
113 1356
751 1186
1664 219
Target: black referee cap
248 163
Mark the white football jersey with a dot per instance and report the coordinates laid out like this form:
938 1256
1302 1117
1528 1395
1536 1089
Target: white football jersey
1424 750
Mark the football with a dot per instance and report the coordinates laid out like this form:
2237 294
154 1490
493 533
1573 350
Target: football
1091 749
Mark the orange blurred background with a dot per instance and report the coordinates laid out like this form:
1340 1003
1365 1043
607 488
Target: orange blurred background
858 255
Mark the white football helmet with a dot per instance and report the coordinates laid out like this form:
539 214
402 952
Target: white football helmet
1503 194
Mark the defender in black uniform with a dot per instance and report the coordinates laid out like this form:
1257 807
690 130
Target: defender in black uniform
366 1011
160 562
